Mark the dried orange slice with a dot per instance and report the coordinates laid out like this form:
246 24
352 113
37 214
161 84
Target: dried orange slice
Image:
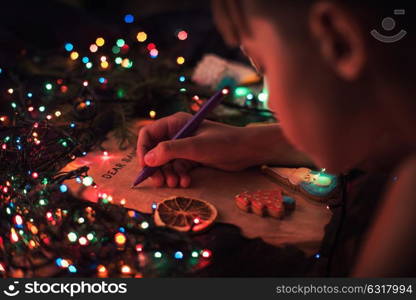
185 214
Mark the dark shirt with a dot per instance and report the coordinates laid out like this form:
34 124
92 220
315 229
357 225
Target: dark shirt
353 214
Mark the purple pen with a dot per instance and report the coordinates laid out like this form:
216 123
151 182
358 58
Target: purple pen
187 130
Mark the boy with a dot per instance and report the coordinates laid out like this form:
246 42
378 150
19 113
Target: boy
344 102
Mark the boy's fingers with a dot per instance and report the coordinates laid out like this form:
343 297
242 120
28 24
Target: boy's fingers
166 151
143 145
182 167
161 130
149 136
171 178
158 180
185 181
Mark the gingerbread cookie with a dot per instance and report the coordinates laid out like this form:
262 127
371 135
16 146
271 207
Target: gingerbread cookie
265 203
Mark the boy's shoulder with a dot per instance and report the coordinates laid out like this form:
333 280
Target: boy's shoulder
403 190
406 173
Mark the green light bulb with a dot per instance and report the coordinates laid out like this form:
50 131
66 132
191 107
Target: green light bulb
120 93
241 91
72 237
87 181
120 42
115 50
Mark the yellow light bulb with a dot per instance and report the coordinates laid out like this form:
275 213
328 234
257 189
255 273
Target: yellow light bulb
64 263
125 63
104 64
34 229
125 269
74 55
180 60
101 269
32 244
120 238
100 42
141 36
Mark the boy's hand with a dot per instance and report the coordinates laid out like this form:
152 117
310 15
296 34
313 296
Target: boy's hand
214 144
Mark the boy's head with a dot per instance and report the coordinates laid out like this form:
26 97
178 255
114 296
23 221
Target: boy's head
331 83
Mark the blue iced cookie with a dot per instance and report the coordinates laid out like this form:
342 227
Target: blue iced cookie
321 184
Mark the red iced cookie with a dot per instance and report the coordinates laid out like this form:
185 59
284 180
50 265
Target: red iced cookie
262 203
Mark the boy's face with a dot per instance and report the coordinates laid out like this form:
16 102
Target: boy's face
320 113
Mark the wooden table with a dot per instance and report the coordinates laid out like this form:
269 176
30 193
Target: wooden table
115 173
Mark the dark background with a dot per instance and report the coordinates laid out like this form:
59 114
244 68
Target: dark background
49 24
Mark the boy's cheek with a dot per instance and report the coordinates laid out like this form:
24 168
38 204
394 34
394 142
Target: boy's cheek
299 125
293 105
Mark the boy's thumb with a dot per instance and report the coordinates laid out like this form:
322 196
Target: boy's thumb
167 151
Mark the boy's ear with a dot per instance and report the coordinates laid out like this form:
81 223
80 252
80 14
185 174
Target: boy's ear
339 39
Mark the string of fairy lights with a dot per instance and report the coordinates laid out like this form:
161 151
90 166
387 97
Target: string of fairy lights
42 223
45 229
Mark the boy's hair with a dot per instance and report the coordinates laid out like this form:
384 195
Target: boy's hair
291 18
230 15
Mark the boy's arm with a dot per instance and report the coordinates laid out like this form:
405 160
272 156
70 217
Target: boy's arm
273 148
215 145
